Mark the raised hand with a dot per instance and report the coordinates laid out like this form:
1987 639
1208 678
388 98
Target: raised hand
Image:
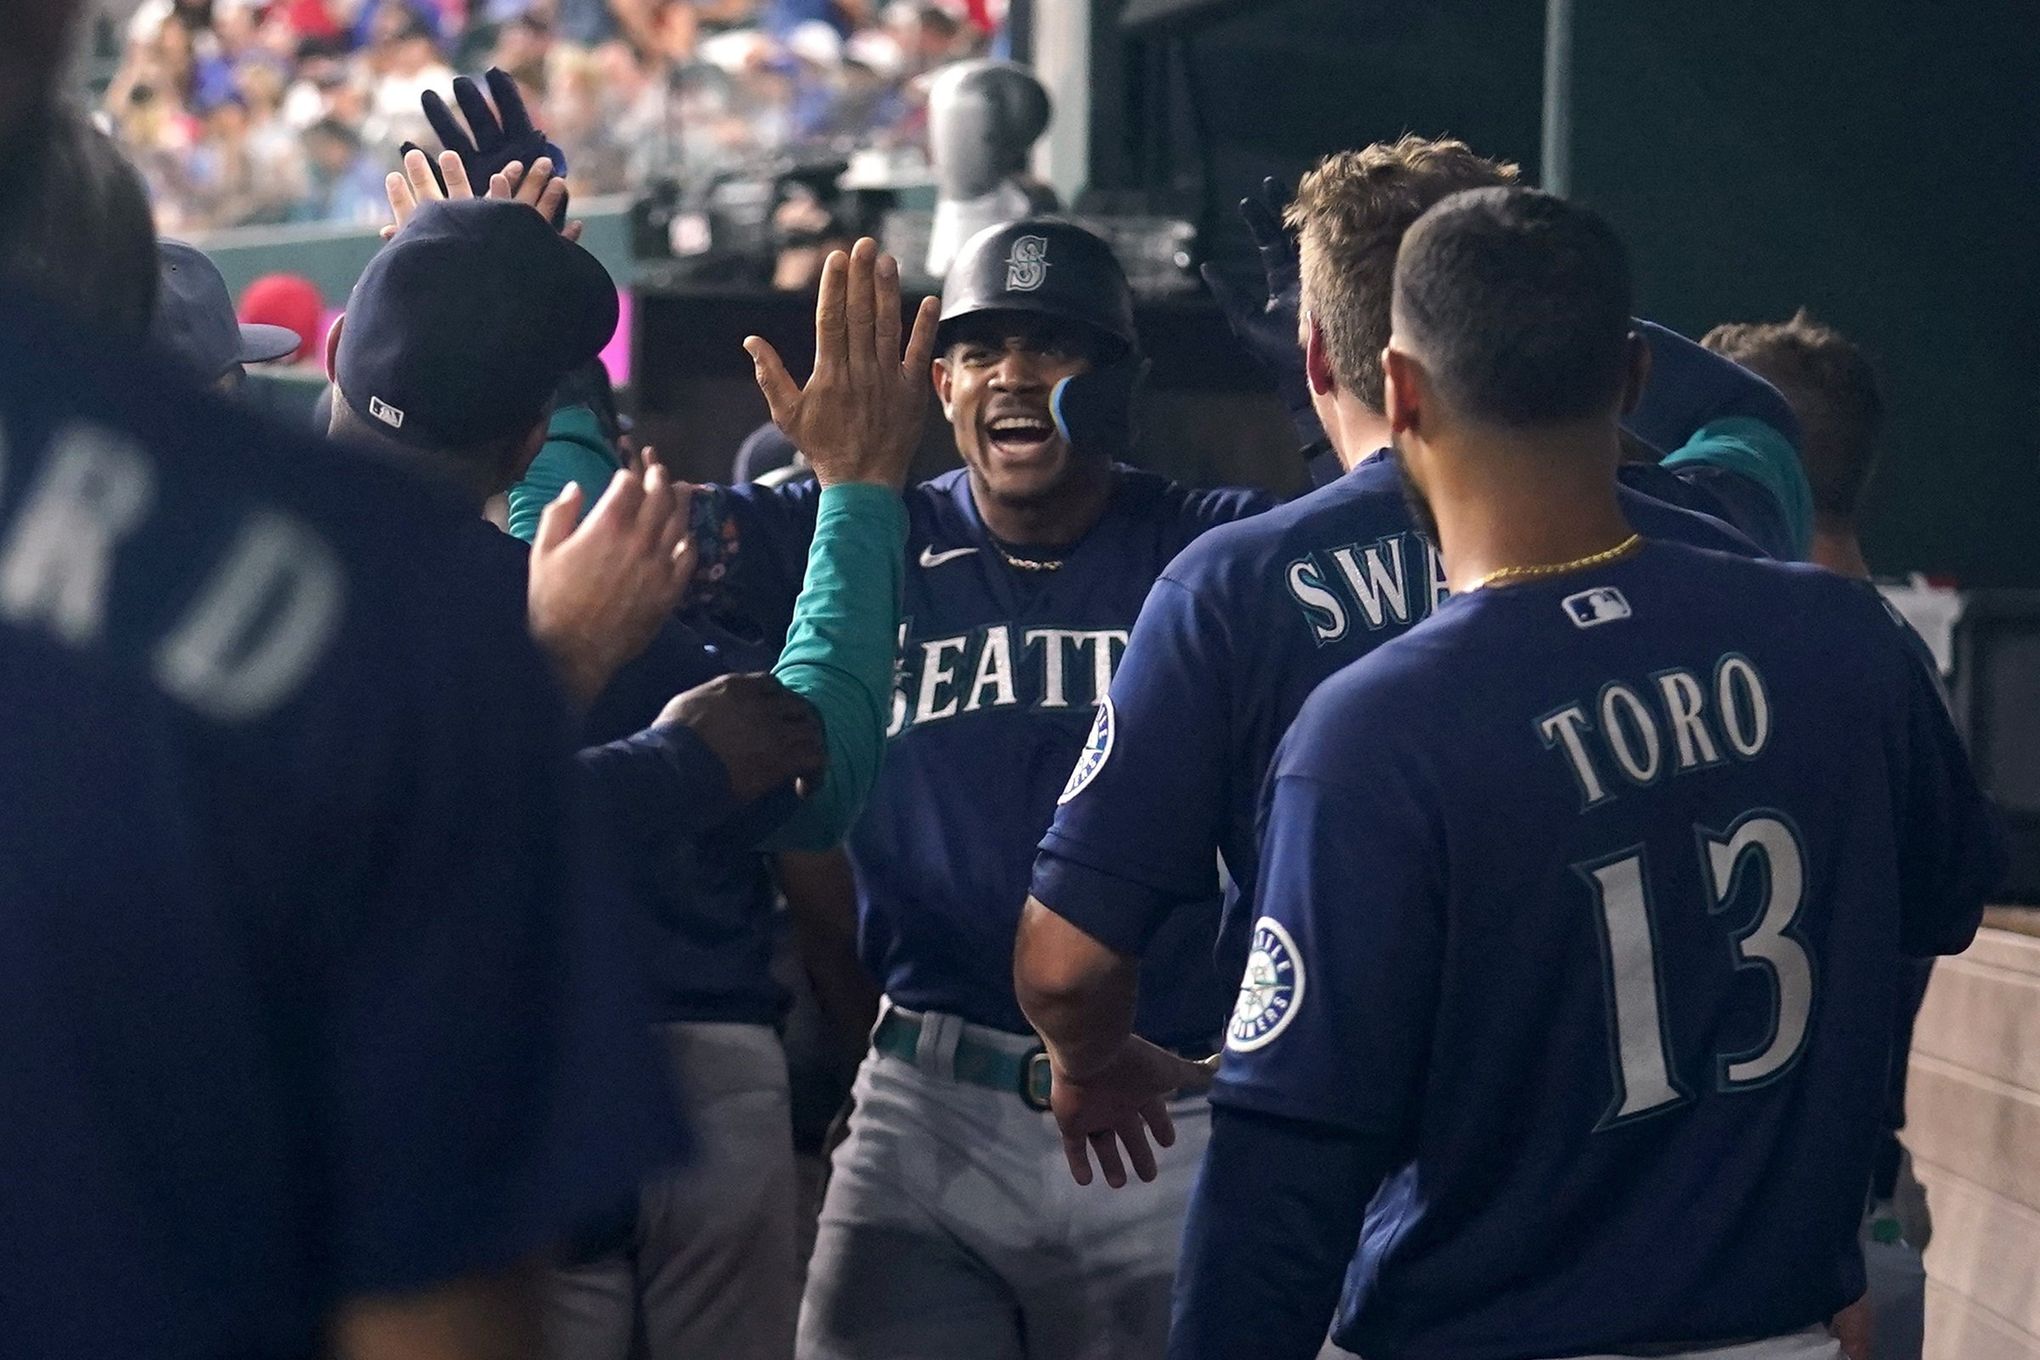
859 417
1267 325
492 138
764 734
541 189
599 591
421 182
1120 1105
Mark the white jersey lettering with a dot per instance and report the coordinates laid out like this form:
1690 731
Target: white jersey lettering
57 564
263 619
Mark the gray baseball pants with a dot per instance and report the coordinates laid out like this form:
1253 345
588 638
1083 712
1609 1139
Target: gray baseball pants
951 1229
709 1272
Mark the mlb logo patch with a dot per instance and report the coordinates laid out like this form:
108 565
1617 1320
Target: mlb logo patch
1027 265
1097 749
1602 604
386 413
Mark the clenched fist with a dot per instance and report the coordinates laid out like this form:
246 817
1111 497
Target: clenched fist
763 733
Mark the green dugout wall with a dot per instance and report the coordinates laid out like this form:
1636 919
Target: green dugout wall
1876 161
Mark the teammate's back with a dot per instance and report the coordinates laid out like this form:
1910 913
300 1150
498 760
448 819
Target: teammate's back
1246 621
1646 1016
1582 905
282 760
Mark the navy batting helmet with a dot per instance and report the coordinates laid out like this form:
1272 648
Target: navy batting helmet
1047 265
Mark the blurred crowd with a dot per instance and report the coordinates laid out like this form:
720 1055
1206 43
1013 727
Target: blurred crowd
243 112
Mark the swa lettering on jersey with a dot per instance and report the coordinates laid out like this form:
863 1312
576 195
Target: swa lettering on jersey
1392 582
1001 666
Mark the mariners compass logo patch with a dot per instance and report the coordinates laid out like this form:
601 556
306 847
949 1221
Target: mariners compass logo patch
1097 747
1270 989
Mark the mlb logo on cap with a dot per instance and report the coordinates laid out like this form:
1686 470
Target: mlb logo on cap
1602 604
386 413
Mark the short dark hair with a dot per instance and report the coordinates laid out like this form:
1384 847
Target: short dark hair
1349 215
1518 304
1832 388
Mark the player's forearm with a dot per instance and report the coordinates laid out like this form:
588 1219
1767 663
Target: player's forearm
821 897
1691 386
659 785
1077 993
840 650
1273 1223
582 674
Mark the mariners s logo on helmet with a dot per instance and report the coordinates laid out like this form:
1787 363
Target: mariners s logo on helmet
1097 747
1027 265
1270 990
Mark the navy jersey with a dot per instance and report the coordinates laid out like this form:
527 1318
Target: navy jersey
1588 900
1001 671
1238 632
707 955
304 996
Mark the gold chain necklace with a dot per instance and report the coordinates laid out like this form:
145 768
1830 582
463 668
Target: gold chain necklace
1557 568
1027 563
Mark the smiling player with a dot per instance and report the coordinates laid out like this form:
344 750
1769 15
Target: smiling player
1026 569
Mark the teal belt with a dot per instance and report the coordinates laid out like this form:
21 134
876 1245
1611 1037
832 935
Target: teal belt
981 1064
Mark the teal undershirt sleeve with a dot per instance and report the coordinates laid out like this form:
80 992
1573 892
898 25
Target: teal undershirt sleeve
574 451
1753 449
840 650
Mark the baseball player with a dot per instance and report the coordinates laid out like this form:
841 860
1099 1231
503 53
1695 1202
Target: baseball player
1254 616
1581 907
711 1266
1833 389
1699 446
314 1031
942 1233
708 1263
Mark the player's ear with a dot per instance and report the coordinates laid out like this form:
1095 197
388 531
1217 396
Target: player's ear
940 373
1402 389
333 346
1639 372
1317 365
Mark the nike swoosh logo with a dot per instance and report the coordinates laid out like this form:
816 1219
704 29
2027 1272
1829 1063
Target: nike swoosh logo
931 558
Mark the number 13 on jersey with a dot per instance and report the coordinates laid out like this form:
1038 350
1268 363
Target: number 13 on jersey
1760 843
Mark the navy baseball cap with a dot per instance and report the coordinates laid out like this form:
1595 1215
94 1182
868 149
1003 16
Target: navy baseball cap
461 327
195 317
